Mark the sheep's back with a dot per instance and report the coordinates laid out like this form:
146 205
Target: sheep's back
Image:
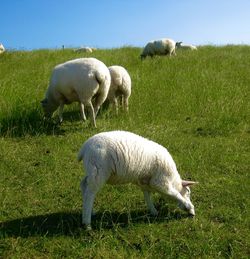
78 77
120 80
129 156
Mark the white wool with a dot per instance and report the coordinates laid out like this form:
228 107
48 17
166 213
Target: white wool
159 47
77 80
120 157
2 49
84 49
180 45
120 86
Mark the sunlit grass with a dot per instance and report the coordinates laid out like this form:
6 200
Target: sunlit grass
196 104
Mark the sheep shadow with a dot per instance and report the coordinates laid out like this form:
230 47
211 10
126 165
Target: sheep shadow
33 123
28 122
69 223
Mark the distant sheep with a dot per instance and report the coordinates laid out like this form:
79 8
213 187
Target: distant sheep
179 45
78 80
120 157
159 47
84 49
120 86
2 49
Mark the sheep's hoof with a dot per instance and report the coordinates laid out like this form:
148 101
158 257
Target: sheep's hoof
154 213
87 227
191 213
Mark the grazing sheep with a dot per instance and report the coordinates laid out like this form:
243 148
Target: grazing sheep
120 86
77 80
120 157
84 49
179 45
159 47
2 49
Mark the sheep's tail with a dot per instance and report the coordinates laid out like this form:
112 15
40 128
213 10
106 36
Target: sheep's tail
100 78
104 81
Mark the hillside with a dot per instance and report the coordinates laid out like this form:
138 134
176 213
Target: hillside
195 104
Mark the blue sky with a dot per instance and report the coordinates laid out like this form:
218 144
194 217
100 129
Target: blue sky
34 24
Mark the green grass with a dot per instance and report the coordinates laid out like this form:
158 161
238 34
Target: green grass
196 104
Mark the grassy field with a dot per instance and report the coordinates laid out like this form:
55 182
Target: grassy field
196 104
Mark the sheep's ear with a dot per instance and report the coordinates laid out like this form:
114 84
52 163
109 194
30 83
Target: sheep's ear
187 183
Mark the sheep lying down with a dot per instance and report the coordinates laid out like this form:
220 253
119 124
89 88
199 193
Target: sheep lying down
120 157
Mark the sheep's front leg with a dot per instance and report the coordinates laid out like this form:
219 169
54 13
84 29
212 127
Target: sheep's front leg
115 105
61 112
173 53
150 204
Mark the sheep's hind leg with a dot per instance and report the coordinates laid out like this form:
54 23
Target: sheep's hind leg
88 202
99 99
88 197
82 111
92 113
91 184
125 103
83 189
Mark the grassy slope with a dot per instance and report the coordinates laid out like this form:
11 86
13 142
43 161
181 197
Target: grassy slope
196 104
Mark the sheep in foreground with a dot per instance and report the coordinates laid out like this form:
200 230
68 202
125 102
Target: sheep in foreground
84 49
2 49
179 45
120 157
159 47
77 80
120 86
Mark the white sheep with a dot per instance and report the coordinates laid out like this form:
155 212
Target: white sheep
2 49
84 49
180 45
120 157
78 80
159 47
120 86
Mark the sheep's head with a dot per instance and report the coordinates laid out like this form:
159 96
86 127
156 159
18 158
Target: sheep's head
142 56
186 193
48 108
178 44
